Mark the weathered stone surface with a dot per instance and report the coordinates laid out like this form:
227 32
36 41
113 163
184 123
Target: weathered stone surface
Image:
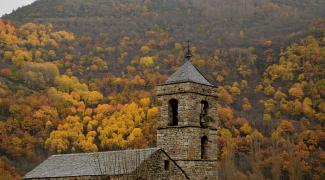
189 97
200 169
186 87
183 142
154 168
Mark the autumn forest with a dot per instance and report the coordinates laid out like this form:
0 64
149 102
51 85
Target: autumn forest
80 76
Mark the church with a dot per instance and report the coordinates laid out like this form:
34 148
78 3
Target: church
186 139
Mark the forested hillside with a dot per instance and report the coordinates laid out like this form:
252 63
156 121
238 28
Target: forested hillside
79 76
209 23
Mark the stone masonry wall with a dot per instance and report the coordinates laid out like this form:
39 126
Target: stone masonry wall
189 97
184 140
154 168
200 170
185 143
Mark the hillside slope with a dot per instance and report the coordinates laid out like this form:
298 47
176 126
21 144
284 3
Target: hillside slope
79 76
209 23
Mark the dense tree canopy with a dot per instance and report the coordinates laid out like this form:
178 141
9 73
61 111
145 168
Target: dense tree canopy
62 92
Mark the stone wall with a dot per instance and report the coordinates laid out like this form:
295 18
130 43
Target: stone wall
184 140
184 143
189 97
200 169
154 168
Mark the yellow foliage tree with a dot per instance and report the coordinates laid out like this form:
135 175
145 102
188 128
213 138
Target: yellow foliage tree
246 104
296 91
224 96
147 62
145 49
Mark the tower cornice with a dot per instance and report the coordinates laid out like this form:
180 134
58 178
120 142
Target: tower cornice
186 87
181 127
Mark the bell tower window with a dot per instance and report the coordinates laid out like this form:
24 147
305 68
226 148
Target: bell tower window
173 112
204 112
204 147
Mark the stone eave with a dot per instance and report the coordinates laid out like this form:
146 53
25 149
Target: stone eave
180 127
183 92
183 82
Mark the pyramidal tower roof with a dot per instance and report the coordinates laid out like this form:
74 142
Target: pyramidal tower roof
187 72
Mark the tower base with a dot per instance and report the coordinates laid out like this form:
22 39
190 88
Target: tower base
200 169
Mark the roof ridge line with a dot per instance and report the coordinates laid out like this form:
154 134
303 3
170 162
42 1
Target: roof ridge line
126 150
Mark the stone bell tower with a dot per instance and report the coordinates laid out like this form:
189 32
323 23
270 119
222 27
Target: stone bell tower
188 121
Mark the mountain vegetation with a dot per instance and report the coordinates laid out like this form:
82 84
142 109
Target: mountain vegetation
79 76
210 23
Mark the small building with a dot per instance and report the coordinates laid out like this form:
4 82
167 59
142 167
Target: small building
152 163
186 139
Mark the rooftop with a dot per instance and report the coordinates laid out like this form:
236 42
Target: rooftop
91 164
188 73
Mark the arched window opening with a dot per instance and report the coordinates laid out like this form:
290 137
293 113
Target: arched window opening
173 112
204 112
204 147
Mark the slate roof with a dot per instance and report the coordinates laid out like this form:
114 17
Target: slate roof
91 164
188 73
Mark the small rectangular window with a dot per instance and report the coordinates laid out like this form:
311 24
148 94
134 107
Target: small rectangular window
166 165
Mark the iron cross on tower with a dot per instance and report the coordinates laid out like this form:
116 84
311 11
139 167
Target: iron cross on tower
188 53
